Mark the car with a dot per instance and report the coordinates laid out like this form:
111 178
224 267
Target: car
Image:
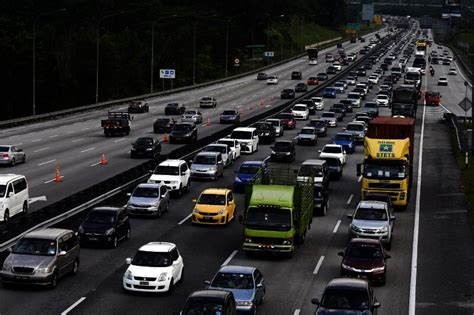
148 200
300 111
329 57
313 62
215 206
364 86
272 79
183 132
163 125
265 131
296 75
14 196
452 71
276 123
335 166
367 66
246 283
446 62
374 79
382 100
320 126
138 107
322 76
106 226
301 87
443 81
223 149
337 66
347 296
361 72
363 117
318 169
210 302
384 197
310 104
361 91
346 140
288 120
372 219
312 81
174 174
351 80
287 94
333 150
247 137
262 76
156 267
348 105
355 98
192 115
318 102
331 70
329 92
234 146
321 198
147 147
338 112
283 150
386 92
372 108
231 116
11 155
357 129
174 109
307 135
247 171
207 165
340 108
340 87
330 118
208 101
41 257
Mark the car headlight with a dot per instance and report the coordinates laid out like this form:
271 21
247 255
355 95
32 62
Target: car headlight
248 240
110 231
273 152
287 153
244 303
149 149
6 267
133 149
378 269
237 179
212 169
355 228
163 276
128 275
221 211
384 229
43 270
346 266
195 210
287 241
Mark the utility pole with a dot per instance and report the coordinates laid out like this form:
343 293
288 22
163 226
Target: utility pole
194 53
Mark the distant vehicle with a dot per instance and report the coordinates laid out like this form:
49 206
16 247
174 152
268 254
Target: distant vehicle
14 196
310 104
333 150
312 53
318 102
234 146
11 155
355 98
283 150
432 98
265 131
288 120
357 129
346 140
337 65
329 57
147 147
335 166
452 71
208 101
307 135
116 124
148 200
210 302
223 149
262 76
296 75
287 94
330 118
374 79
382 100
207 165
301 87
183 132
329 92
174 174
247 172
313 62
247 137
312 81
443 81
192 115
272 79
300 111
230 116
348 104
322 76
215 206
320 126
339 86
351 80
174 109
331 70
138 107
279 129
163 125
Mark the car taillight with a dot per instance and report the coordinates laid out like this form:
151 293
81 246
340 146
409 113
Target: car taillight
5 156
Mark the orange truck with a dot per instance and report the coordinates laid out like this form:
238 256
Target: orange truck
432 98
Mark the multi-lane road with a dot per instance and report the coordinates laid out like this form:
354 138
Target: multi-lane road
436 215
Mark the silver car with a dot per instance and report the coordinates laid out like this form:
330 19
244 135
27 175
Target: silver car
330 118
207 165
224 150
149 199
41 257
276 123
11 154
307 135
192 115
357 129
372 219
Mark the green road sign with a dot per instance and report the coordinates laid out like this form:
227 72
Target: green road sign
353 26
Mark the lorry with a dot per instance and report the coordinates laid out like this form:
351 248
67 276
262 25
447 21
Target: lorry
404 101
388 158
312 52
278 212
116 124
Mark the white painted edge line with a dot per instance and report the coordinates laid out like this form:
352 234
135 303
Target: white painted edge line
76 140
297 312
227 261
95 164
337 226
47 162
52 180
185 219
35 140
318 265
54 136
445 108
39 150
89 149
350 198
70 308
118 140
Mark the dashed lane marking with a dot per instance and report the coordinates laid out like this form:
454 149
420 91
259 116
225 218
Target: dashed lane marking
337 226
42 149
70 308
47 162
86 150
318 265
227 261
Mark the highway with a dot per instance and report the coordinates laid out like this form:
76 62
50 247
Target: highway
291 283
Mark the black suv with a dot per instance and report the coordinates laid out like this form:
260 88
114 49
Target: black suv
138 107
147 147
322 76
320 125
266 132
283 150
296 75
174 109
163 125
287 93
183 132
301 87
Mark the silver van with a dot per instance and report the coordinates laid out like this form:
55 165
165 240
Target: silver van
14 196
42 257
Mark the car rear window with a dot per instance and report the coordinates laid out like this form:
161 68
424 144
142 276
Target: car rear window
4 149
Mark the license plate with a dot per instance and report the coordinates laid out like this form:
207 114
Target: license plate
93 238
144 282
208 218
22 277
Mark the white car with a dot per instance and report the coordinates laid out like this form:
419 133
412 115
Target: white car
276 123
333 150
247 137
174 174
382 100
233 144
272 79
337 65
443 81
355 98
374 79
156 267
318 102
351 80
300 111
192 115
452 71
313 62
223 149
339 86
350 58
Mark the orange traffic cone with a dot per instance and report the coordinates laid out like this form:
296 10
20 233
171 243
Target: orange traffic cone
57 178
165 137
103 160
209 122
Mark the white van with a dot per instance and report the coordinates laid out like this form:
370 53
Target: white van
14 195
247 137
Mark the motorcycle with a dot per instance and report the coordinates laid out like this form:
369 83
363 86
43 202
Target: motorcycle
432 72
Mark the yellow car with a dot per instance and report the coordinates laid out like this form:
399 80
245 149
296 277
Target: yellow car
214 206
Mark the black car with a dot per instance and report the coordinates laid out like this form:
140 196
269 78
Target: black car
301 87
310 104
331 70
335 166
384 67
266 132
361 72
210 302
183 132
296 75
163 125
320 125
287 93
147 147
340 106
283 150
174 109
105 225
138 107
353 74
262 76
321 199
339 113
231 116
368 66
348 104
322 76
361 91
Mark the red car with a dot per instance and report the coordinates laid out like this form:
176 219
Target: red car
312 81
365 258
432 98
287 120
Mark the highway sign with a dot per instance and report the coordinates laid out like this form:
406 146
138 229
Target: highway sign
269 54
465 104
236 61
167 74
353 26
368 12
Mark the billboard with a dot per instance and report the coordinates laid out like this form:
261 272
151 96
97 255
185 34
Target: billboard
378 19
368 12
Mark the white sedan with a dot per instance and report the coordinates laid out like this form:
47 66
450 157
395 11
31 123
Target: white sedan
300 111
443 81
374 79
318 102
272 79
452 71
313 62
382 100
333 150
233 144
337 65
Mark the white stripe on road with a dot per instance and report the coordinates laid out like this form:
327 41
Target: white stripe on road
89 149
84 129
72 131
52 180
95 164
444 108
54 136
337 226
70 308
229 258
350 198
118 140
39 150
297 312
77 140
47 162
35 140
185 219
318 265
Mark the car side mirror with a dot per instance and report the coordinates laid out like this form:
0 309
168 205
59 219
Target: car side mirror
392 218
241 219
315 301
10 249
350 216
190 161
340 254
344 128
260 285
11 194
150 171
194 200
376 305
128 261
62 253
319 151
129 194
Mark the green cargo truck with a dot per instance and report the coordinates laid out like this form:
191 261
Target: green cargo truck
278 212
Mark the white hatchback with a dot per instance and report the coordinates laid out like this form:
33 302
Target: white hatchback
300 111
273 79
333 150
318 102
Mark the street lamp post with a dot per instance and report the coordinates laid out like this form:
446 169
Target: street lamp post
194 52
152 54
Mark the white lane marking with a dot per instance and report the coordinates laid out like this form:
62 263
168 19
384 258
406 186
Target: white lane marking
337 226
35 199
72 131
95 164
70 308
359 179
350 198
297 312
47 162
185 219
318 265
229 258
84 129
77 140
118 140
444 108
54 136
460 72
43 149
89 149
35 140
52 180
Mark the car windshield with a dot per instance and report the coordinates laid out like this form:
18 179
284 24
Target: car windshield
329 90
329 115
343 137
215 148
268 218
151 259
412 76
203 307
310 170
4 149
345 299
355 127
382 97
249 169
190 113
271 78
97 216
146 192
371 214
229 143
317 99
312 78
353 96
3 188
229 280
241 135
285 116
35 246
228 112
332 149
364 251
172 105
162 121
206 99
282 146
331 161
317 123
275 123
212 199
166 170
205 159
307 131
144 141
300 108
182 127
339 84
370 105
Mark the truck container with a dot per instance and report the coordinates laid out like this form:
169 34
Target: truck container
404 101
312 52
116 124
